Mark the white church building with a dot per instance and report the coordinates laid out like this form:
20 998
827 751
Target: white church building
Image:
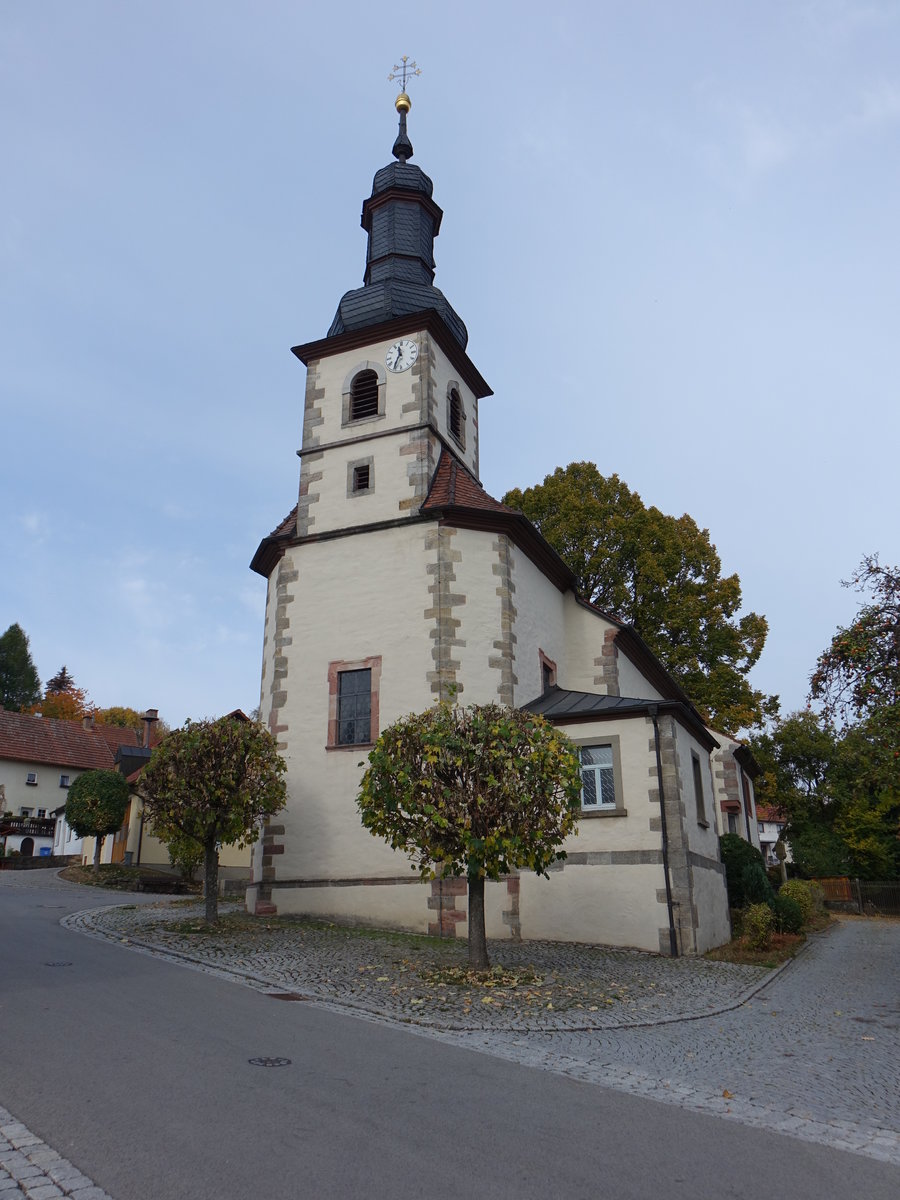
397 580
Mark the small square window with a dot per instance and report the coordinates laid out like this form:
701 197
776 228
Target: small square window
31 778
41 812
63 781
361 478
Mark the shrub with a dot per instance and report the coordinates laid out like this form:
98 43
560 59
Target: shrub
759 921
788 915
800 892
745 873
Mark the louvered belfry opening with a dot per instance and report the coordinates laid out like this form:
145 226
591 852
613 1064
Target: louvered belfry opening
361 478
456 415
364 396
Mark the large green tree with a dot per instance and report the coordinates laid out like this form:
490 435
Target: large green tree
662 575
476 792
96 804
859 674
19 682
213 782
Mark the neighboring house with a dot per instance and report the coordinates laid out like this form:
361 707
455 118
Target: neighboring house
39 758
770 824
397 581
734 770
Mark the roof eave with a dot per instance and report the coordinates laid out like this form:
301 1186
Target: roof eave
428 319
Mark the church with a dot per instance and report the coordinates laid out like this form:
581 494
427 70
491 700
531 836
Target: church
396 581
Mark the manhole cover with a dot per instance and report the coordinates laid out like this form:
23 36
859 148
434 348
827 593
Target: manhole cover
58 964
269 1062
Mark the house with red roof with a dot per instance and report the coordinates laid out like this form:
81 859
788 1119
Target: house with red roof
397 581
39 758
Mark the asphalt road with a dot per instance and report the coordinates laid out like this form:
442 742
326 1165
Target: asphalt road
139 1072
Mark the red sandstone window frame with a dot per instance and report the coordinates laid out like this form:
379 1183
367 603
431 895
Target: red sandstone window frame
335 669
548 665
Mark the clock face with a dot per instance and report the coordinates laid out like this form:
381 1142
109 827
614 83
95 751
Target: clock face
401 355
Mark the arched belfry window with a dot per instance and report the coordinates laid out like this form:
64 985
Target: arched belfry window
364 395
456 416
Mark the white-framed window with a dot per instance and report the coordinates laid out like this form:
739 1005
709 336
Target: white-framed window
31 778
598 778
41 812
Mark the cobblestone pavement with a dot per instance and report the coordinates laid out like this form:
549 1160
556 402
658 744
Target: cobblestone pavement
28 1167
537 986
811 1050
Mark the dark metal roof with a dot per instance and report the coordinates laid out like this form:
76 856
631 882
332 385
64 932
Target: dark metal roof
402 222
559 703
562 706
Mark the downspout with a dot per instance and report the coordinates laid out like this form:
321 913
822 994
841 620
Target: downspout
673 937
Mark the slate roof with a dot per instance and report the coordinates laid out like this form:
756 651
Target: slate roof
401 221
26 738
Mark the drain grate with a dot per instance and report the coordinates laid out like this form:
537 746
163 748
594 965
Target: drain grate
269 1062
58 964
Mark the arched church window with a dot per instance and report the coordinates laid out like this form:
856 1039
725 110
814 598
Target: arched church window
455 416
364 396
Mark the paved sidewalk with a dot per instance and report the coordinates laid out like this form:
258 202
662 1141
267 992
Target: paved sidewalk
537 986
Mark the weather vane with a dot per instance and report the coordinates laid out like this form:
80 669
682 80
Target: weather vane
403 71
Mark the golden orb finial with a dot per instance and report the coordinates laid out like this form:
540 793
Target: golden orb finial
403 103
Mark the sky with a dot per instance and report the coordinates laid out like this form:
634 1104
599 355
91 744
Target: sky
670 228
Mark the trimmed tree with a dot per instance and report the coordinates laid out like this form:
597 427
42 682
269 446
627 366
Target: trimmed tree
96 806
19 682
480 791
213 781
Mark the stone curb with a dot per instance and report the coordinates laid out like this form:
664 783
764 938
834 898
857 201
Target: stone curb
29 1167
82 922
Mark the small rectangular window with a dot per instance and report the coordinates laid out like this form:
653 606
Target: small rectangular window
63 781
598 787
354 707
31 778
41 812
698 790
361 478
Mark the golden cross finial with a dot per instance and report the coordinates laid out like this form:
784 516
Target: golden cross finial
403 71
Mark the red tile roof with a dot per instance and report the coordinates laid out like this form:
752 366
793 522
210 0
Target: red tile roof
452 486
768 812
25 738
115 736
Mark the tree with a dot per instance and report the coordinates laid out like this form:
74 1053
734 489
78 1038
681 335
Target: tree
860 671
796 754
185 853
839 791
96 805
662 575
61 682
213 781
19 682
64 706
122 718
479 791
